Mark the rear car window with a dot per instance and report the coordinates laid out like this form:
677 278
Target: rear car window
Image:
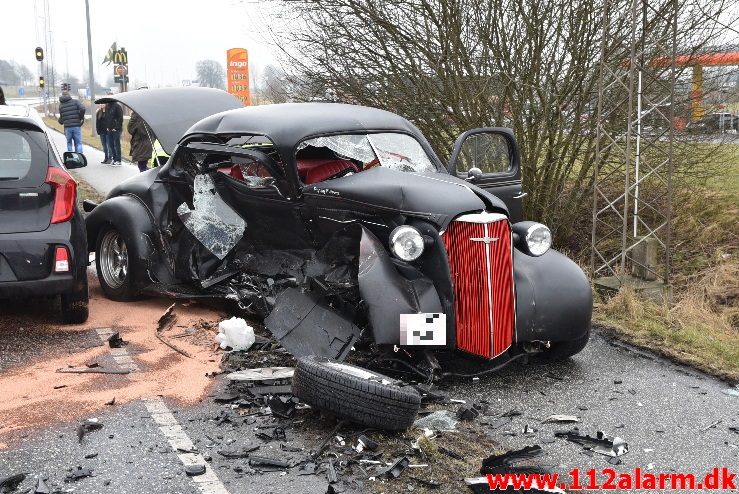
24 157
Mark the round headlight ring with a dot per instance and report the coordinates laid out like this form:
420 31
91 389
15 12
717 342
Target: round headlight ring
406 243
538 239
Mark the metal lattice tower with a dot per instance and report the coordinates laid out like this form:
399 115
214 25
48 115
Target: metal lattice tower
632 203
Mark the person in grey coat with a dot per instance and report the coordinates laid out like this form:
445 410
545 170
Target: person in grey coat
140 141
72 116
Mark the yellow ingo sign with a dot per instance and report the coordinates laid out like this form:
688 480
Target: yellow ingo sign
237 73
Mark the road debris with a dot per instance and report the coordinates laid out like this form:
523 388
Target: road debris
363 442
41 487
731 391
111 402
265 380
396 468
282 406
88 426
712 425
560 419
77 474
441 420
600 444
264 461
502 463
115 341
236 334
10 484
167 319
92 370
194 470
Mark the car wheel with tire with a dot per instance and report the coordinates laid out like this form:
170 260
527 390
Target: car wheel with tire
356 394
562 350
75 305
113 263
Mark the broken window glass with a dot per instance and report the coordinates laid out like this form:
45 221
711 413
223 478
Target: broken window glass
213 222
396 151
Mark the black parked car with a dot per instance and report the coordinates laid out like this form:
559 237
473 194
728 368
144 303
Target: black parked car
43 242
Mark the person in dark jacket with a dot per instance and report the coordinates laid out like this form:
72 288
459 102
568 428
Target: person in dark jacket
115 126
2 97
101 125
72 116
141 148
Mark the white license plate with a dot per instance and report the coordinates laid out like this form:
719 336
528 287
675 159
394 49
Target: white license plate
423 329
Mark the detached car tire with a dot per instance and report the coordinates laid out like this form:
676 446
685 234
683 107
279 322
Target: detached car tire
113 265
75 306
355 394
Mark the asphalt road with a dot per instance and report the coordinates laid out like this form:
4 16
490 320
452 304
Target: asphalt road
673 418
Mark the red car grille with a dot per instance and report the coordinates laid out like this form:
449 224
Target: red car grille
480 260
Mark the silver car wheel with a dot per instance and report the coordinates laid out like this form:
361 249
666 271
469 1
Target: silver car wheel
113 259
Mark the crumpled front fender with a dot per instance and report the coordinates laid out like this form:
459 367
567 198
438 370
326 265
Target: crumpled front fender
389 292
554 301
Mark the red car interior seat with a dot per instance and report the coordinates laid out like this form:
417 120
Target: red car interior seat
312 170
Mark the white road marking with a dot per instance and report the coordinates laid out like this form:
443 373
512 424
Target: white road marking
208 483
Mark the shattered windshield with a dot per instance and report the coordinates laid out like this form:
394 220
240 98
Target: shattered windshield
322 158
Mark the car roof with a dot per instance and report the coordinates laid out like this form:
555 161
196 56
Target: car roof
289 123
21 114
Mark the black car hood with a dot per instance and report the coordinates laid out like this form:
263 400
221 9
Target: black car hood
438 197
169 112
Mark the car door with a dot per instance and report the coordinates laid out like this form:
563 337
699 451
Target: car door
239 202
490 159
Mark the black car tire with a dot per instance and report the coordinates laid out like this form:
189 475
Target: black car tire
120 288
75 305
562 350
356 394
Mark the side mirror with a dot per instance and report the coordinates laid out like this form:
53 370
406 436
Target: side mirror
74 160
474 174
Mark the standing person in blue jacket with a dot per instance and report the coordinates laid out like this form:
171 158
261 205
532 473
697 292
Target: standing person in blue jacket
72 116
115 126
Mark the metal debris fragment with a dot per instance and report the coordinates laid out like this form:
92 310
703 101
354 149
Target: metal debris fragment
501 463
600 444
556 418
88 426
115 341
396 468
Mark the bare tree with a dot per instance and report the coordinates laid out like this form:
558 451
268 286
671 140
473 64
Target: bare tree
451 65
275 87
211 74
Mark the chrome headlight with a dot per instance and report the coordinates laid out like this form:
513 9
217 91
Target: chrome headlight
538 239
406 243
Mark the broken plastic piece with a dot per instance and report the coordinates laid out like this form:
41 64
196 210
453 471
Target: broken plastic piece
9 484
396 468
213 222
560 419
331 472
263 461
367 443
41 487
79 473
501 463
194 470
441 420
305 327
166 319
467 412
282 406
600 444
88 426
115 341
235 333
731 391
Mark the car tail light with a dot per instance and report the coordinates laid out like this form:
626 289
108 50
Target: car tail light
65 193
61 260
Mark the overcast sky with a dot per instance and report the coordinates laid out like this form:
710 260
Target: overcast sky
164 39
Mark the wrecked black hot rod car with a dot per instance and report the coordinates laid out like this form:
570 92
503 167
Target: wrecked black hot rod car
340 226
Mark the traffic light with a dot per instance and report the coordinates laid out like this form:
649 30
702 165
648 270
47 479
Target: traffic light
41 82
39 54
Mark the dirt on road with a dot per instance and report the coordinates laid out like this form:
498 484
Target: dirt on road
35 394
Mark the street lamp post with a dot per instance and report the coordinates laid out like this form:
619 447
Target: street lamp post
91 73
